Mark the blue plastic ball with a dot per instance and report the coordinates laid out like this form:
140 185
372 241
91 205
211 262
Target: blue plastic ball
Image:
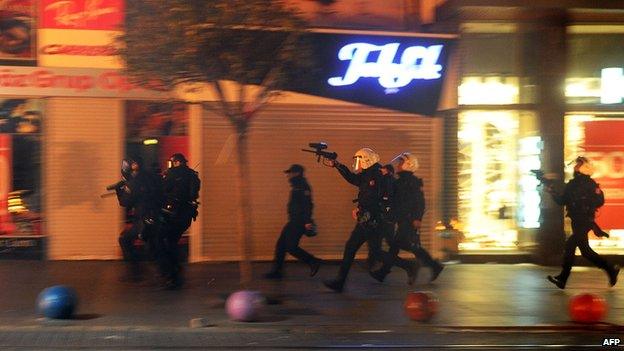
58 302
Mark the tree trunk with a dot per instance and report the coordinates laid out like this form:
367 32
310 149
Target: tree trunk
244 210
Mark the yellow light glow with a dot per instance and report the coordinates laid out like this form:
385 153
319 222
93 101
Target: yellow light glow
489 91
488 178
150 141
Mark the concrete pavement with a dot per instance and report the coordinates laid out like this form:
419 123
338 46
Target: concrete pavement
480 305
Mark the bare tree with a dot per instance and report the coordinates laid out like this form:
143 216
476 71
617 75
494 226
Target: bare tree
256 44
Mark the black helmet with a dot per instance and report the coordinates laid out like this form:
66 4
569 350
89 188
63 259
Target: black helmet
179 157
126 168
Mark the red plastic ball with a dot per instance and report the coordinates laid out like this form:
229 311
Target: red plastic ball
587 308
421 305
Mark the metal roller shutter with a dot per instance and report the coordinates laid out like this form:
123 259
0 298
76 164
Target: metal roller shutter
82 150
276 137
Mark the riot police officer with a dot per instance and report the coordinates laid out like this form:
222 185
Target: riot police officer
181 187
370 182
581 197
299 222
408 207
141 195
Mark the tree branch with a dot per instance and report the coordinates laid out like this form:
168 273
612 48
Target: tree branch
269 80
241 97
223 101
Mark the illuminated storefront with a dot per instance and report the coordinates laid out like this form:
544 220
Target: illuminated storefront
499 142
594 125
498 200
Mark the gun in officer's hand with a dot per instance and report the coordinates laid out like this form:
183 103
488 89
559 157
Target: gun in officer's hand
547 183
318 151
115 186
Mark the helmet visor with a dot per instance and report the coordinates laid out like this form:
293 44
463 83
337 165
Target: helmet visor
357 163
397 161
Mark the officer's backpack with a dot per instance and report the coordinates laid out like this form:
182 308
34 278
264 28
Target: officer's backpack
194 186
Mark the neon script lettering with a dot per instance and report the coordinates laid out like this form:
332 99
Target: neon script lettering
417 62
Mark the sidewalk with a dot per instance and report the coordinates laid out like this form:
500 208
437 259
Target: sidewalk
477 303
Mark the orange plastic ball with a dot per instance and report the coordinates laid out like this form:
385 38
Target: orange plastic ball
587 308
421 305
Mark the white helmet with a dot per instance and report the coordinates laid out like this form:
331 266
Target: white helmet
364 158
407 161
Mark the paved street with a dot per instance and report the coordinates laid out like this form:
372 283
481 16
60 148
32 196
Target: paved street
480 305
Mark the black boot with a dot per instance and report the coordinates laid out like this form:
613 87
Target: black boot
378 275
336 285
314 267
412 274
613 274
558 281
436 270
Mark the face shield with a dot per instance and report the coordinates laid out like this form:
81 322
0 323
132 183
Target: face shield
364 158
357 163
397 161
405 162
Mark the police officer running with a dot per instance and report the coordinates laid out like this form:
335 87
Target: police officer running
408 208
370 182
181 187
581 197
141 195
299 222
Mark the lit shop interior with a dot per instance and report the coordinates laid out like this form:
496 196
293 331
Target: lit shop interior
499 142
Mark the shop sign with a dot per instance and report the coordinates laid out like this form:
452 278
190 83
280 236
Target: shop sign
74 82
604 145
82 14
417 62
399 72
78 48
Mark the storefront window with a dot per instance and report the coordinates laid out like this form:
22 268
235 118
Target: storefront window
601 139
20 167
491 67
595 65
498 198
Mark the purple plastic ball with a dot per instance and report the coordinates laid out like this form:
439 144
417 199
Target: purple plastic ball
244 305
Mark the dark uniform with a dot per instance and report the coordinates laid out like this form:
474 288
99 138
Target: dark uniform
299 214
142 198
581 196
370 183
408 205
181 190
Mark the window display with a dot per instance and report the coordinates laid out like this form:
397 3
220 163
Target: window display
498 197
20 167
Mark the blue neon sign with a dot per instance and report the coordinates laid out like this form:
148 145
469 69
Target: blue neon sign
398 72
417 62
